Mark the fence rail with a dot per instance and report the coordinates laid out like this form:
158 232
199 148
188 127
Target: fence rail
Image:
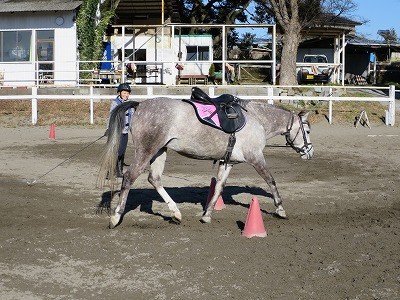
269 95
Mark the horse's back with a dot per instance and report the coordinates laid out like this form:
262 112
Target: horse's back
160 110
173 123
165 116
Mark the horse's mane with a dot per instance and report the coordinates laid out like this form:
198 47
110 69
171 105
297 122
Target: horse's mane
281 107
242 102
263 103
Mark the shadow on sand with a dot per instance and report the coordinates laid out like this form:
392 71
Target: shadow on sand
142 199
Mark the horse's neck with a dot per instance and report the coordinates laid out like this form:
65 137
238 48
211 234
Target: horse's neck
274 119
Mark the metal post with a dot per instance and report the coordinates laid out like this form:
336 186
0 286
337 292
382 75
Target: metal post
34 105
91 105
162 12
343 57
374 68
274 54
223 53
392 105
336 59
123 56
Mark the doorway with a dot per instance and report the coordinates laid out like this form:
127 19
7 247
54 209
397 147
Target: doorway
45 55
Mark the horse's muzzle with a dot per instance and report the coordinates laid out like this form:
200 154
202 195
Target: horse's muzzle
308 152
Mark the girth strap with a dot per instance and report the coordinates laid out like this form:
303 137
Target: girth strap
229 148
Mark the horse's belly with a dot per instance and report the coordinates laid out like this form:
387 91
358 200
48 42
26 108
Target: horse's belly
196 150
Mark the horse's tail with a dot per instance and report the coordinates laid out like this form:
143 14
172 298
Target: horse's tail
109 156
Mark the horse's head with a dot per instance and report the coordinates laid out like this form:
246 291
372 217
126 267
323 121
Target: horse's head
298 135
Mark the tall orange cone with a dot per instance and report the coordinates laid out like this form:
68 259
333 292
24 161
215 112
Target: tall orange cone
254 223
52 134
219 205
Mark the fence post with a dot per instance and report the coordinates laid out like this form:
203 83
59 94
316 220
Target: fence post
330 106
270 92
211 91
34 105
91 105
150 91
391 105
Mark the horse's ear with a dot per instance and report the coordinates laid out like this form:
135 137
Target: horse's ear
304 114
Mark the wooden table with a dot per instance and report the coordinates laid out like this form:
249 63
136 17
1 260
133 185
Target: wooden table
191 79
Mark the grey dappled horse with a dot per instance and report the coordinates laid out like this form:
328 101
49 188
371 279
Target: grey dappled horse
163 123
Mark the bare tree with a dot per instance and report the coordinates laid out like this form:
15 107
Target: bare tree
293 17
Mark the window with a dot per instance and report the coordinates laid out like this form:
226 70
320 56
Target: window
15 45
45 45
197 53
315 59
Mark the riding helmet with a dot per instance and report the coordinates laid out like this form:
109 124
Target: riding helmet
124 87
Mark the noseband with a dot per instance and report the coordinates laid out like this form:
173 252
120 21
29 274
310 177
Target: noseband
305 148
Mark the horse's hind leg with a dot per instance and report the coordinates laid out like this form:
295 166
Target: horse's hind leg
136 168
156 169
261 167
223 173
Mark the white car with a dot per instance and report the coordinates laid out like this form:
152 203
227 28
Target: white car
314 72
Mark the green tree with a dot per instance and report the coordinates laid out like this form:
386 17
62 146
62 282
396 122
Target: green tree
246 45
92 22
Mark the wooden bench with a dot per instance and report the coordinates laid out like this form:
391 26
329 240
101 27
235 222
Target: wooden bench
192 79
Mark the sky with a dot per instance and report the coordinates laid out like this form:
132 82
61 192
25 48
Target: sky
382 15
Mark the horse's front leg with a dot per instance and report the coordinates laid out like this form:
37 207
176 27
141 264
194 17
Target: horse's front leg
261 167
129 178
222 176
156 169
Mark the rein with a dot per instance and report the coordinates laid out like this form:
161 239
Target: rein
305 147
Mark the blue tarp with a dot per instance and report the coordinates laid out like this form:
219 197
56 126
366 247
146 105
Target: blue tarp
106 64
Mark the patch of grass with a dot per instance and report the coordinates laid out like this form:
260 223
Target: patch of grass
344 111
58 112
75 112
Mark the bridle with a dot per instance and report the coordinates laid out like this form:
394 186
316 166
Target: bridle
307 146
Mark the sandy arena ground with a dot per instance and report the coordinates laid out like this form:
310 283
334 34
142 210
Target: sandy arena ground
341 240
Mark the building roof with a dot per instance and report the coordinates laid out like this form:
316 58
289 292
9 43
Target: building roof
330 25
146 11
362 41
353 44
9 6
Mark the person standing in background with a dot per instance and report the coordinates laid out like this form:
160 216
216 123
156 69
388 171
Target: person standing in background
124 91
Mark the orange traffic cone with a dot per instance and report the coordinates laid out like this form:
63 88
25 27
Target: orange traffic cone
52 134
219 205
254 223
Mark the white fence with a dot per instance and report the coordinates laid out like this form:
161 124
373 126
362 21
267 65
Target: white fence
269 96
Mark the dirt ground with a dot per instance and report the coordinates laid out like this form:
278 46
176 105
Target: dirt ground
341 239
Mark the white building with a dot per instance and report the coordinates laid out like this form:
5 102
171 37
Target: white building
156 56
38 45
38 42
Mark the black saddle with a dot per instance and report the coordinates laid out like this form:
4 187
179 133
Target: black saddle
228 109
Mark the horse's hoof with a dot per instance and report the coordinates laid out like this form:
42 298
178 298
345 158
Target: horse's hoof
205 219
114 220
177 217
280 212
